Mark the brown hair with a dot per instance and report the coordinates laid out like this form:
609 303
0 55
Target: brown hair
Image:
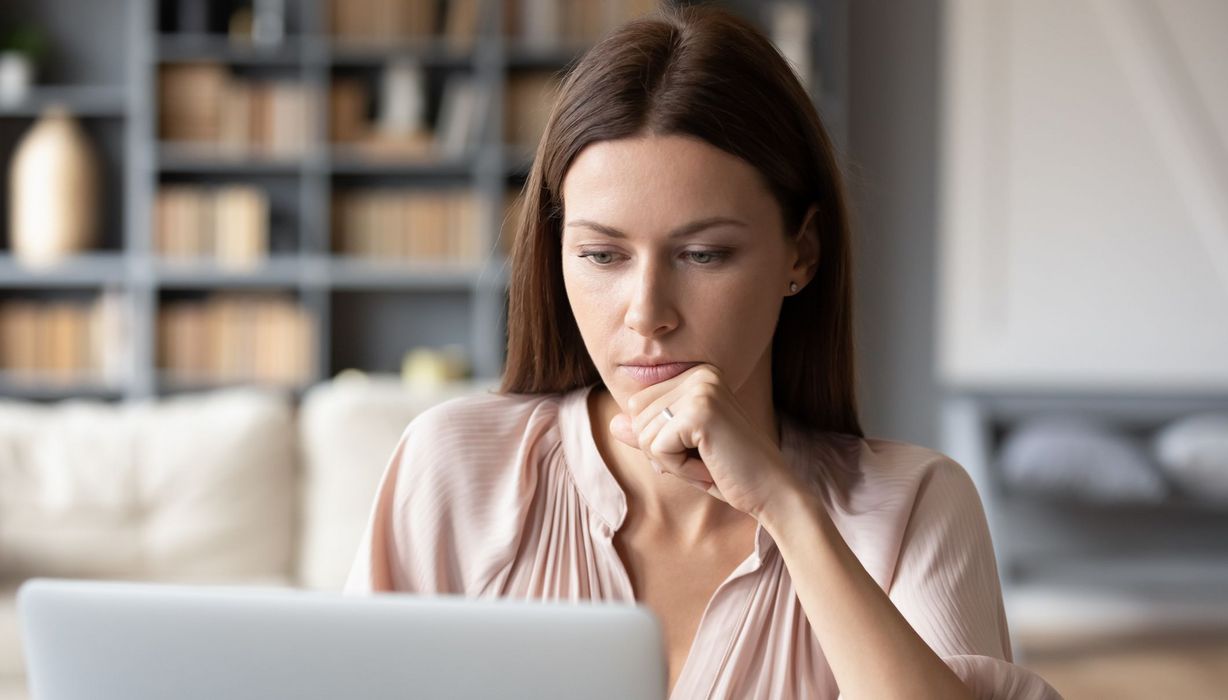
703 72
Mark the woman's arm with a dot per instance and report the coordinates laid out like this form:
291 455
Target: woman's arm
873 651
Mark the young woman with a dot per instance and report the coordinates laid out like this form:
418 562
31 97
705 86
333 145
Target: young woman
677 424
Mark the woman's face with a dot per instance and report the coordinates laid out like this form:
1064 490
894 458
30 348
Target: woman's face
674 251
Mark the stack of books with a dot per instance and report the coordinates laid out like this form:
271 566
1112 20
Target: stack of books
457 129
455 21
64 341
202 106
228 224
407 225
237 337
548 24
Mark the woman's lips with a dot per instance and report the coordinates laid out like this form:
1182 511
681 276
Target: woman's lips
653 374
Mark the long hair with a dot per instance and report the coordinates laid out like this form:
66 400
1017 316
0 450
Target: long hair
703 72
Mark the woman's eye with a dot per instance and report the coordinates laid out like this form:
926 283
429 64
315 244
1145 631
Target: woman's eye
599 257
699 257
705 257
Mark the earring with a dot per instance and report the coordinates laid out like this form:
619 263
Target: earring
793 287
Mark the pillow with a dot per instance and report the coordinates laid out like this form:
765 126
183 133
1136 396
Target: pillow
1193 452
1080 458
195 487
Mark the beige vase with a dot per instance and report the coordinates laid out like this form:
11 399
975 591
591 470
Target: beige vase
53 191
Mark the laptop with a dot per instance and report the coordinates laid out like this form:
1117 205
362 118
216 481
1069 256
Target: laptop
137 641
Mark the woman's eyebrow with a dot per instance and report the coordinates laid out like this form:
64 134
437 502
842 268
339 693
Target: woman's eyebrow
684 230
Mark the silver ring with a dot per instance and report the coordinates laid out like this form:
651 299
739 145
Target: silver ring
667 413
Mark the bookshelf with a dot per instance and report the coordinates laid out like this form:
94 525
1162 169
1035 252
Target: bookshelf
364 299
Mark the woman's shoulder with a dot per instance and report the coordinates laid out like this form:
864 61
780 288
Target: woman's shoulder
895 457
879 475
900 501
484 417
473 439
459 484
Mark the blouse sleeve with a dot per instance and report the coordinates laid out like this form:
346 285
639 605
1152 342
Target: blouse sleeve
371 569
946 585
451 501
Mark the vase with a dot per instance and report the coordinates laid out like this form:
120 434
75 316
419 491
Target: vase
16 75
53 191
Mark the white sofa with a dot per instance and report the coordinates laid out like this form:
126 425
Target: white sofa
234 487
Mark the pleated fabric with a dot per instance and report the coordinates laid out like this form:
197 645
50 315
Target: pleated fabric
498 496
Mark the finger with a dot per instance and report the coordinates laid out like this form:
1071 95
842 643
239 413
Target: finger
695 470
700 484
704 485
644 439
652 395
673 444
668 398
684 464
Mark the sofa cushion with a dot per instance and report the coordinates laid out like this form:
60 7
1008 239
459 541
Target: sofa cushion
348 430
193 487
1193 452
1080 458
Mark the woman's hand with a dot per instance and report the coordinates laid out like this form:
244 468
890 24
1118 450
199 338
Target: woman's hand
710 442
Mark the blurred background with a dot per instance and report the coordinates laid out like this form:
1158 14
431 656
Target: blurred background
243 243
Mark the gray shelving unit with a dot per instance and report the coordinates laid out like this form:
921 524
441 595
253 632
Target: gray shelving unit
107 54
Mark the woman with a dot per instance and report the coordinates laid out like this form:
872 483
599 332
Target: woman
677 423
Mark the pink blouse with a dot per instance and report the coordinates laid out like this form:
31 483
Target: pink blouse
507 496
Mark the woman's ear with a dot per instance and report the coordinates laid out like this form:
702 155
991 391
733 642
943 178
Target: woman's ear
807 245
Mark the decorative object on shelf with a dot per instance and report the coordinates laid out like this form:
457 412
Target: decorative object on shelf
21 48
1081 459
459 125
402 103
53 191
262 24
1193 452
268 22
400 123
434 366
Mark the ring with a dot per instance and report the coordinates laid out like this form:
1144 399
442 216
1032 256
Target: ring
667 413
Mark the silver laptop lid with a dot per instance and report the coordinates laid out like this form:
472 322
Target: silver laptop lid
137 641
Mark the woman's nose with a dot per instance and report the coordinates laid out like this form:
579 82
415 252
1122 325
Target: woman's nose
650 309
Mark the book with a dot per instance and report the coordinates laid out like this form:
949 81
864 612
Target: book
347 110
228 224
236 337
407 225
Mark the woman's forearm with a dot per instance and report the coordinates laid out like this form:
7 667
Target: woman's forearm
872 650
